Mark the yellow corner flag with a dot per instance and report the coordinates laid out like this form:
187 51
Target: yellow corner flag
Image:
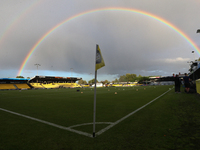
99 59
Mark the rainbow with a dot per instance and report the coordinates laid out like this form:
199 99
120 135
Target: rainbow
157 18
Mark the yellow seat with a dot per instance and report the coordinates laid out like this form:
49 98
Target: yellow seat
7 86
37 85
22 86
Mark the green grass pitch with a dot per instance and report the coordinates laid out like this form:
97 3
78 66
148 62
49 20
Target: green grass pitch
157 126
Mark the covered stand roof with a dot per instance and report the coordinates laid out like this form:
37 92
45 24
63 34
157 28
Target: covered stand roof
13 80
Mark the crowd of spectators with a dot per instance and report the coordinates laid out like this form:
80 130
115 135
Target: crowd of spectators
188 84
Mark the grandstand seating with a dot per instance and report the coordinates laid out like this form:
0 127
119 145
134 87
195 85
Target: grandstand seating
22 86
7 87
69 85
54 85
117 85
37 85
50 86
77 85
38 82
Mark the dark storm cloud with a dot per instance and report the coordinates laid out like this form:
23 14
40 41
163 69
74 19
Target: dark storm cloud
130 42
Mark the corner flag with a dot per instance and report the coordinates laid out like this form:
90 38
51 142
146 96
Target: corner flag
99 59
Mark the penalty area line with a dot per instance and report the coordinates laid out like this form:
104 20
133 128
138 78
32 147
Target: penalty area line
48 123
125 117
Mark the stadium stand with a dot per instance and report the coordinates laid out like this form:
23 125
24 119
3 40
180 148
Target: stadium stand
22 86
69 85
37 86
195 74
117 85
49 82
77 85
50 86
124 85
38 82
13 83
7 86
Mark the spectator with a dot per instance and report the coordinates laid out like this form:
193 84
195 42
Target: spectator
186 81
177 84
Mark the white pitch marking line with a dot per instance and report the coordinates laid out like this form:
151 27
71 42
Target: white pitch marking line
80 132
78 125
48 123
118 121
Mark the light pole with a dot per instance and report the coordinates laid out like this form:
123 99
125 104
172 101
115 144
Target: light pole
37 67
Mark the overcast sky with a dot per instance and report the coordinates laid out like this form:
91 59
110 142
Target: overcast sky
129 42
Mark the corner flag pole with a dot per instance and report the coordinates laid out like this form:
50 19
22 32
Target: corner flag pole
95 81
94 115
99 62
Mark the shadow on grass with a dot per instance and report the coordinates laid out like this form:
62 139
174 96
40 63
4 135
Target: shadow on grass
187 112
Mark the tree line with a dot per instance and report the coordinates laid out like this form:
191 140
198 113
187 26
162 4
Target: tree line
124 78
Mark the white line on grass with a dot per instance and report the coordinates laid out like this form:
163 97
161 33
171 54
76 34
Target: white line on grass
48 123
84 124
118 121
80 132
